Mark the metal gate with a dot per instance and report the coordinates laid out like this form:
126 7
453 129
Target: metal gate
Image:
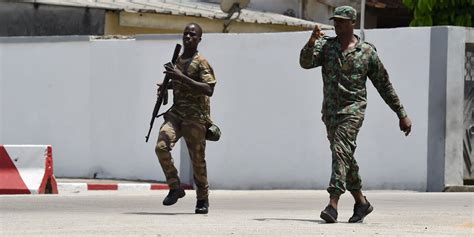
468 136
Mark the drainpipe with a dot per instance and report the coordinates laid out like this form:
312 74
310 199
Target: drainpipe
362 20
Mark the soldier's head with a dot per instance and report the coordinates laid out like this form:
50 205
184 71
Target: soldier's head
344 20
192 36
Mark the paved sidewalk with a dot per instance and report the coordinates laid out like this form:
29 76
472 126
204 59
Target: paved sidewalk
233 213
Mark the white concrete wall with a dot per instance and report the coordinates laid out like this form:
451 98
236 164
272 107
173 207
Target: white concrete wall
45 90
92 101
395 160
269 107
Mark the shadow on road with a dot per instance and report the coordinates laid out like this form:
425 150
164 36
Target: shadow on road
287 219
158 213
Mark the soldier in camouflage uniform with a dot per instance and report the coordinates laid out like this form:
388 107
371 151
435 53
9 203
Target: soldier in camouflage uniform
346 63
193 83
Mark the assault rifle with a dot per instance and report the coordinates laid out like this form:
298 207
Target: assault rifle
162 93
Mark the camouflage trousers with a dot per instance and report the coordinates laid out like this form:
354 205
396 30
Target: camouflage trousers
342 134
194 134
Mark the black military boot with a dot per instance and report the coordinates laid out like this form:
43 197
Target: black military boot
173 196
329 214
202 206
360 211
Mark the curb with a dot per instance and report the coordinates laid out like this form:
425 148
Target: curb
83 187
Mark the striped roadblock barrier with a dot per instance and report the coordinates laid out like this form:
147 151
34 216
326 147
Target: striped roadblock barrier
27 169
91 186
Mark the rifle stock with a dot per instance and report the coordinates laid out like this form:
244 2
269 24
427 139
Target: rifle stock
162 93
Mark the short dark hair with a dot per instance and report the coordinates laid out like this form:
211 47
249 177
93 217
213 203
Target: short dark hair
197 26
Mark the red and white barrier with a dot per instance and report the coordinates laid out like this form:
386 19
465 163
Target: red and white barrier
82 187
27 169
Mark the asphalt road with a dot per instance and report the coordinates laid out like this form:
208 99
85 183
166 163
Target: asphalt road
233 213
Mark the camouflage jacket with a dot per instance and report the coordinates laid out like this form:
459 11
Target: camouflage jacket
187 103
345 75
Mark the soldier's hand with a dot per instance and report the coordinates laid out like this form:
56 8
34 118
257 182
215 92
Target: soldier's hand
317 32
315 35
405 125
174 73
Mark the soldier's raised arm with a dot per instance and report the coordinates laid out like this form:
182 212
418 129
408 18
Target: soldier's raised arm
310 55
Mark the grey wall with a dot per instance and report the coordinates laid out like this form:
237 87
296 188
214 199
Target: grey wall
445 166
27 19
92 101
455 106
437 108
